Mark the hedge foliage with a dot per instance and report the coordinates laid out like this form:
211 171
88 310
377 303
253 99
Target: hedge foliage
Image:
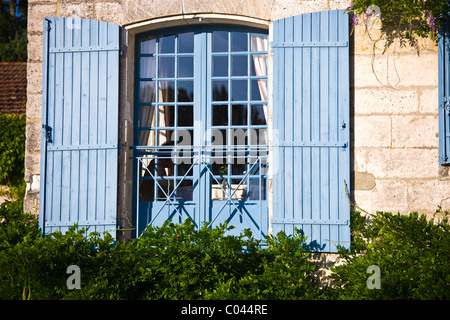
180 261
12 152
413 255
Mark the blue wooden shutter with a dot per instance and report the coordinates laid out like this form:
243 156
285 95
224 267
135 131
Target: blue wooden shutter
311 155
79 145
444 95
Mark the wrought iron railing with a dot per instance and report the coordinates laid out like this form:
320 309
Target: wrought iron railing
188 165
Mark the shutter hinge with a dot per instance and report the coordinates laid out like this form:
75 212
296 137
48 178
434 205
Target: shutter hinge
121 49
119 148
47 133
446 105
48 24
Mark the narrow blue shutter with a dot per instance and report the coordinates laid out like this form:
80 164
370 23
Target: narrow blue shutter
444 95
311 151
79 145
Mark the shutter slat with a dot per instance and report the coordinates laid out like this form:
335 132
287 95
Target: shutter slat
80 104
444 94
311 102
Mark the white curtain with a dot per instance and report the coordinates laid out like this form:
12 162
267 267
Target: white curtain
259 43
147 94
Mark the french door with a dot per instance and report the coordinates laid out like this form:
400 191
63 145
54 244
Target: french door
201 127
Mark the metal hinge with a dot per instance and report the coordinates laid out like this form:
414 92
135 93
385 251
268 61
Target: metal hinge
446 105
47 133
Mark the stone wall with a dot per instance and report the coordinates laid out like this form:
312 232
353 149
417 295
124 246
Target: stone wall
394 118
395 127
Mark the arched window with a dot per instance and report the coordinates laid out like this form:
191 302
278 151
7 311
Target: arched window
201 133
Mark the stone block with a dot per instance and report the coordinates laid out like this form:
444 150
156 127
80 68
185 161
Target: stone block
82 10
33 134
415 131
36 13
31 203
364 181
426 196
372 131
34 106
402 163
428 101
108 11
385 101
32 165
388 195
35 48
359 159
287 8
34 78
396 70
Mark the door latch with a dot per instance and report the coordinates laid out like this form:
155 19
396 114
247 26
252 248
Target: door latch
446 105
47 133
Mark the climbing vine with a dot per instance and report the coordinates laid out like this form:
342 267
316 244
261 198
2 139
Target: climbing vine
406 20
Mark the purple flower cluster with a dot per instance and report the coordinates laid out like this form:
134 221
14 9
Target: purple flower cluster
350 7
431 21
355 21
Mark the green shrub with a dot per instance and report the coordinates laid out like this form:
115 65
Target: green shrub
180 261
12 153
283 273
412 254
15 225
175 261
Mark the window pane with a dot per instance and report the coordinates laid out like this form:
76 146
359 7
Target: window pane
147 91
220 90
147 137
165 137
219 137
239 65
259 114
185 91
258 65
186 42
166 67
220 115
185 67
166 116
258 42
238 41
258 136
257 189
219 169
148 67
167 91
148 46
239 166
185 116
239 137
258 88
238 190
147 116
185 190
220 41
184 137
239 90
167 44
220 66
239 115
147 185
